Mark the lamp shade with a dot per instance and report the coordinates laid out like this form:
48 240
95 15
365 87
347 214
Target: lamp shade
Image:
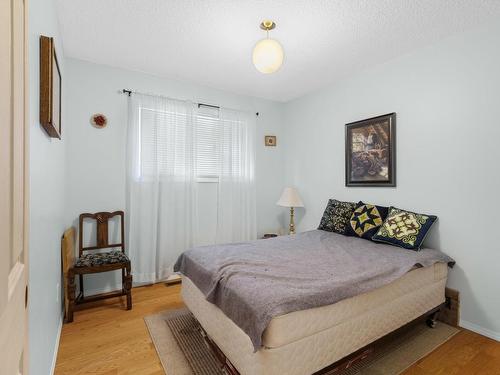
267 56
290 198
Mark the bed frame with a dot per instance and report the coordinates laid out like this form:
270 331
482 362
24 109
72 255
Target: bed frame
354 358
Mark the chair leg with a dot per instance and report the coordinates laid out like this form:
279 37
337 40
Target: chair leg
81 286
71 296
127 285
123 280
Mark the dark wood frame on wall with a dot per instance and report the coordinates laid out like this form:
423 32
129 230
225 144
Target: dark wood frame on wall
391 182
50 99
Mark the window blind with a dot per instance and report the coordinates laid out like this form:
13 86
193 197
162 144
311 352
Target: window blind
165 148
163 143
208 142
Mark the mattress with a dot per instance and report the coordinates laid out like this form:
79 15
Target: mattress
306 341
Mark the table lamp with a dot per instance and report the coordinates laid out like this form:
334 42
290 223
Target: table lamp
290 198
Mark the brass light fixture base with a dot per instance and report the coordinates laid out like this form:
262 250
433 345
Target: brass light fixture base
267 25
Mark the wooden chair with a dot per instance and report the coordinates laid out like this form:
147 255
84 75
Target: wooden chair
90 261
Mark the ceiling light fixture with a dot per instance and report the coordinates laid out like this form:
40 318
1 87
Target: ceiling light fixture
267 54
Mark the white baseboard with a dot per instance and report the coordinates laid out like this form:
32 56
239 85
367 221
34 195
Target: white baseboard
102 290
92 292
173 277
56 346
478 329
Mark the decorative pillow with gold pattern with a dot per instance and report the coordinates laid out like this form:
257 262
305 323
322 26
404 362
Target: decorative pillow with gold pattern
366 220
405 228
336 216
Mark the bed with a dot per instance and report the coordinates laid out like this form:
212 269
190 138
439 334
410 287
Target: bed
306 340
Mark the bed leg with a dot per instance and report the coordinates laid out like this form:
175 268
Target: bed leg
432 319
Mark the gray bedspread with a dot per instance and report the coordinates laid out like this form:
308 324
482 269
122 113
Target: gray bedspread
252 282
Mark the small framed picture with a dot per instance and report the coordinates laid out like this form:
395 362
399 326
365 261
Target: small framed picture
370 152
270 140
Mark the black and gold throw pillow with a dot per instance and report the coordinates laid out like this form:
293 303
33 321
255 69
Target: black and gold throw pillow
336 216
405 228
366 220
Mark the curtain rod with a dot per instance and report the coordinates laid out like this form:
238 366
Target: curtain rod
130 92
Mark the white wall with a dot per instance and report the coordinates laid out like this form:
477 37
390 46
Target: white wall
47 204
448 126
96 157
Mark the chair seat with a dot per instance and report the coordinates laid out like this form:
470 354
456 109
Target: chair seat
99 259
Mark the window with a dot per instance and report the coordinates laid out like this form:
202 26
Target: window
180 143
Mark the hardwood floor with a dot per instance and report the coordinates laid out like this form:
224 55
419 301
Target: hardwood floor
105 339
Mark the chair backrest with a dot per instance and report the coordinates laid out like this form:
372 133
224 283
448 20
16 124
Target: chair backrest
102 236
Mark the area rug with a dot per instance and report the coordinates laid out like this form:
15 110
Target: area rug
182 350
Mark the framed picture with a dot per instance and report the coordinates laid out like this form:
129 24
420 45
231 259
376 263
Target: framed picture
370 152
50 88
270 140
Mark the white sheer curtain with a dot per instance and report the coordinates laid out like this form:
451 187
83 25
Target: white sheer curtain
236 212
161 184
172 145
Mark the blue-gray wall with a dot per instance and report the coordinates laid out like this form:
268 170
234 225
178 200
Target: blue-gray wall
448 110
47 202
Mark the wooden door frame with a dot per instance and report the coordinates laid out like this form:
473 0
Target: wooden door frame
26 223
18 146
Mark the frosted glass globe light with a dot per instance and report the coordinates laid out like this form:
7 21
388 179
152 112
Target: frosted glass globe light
267 56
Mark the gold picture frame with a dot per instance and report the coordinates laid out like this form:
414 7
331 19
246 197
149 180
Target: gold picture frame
270 140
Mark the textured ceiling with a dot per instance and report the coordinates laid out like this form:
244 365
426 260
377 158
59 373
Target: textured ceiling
209 42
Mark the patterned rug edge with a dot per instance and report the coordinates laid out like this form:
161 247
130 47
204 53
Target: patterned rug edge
147 321
431 350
